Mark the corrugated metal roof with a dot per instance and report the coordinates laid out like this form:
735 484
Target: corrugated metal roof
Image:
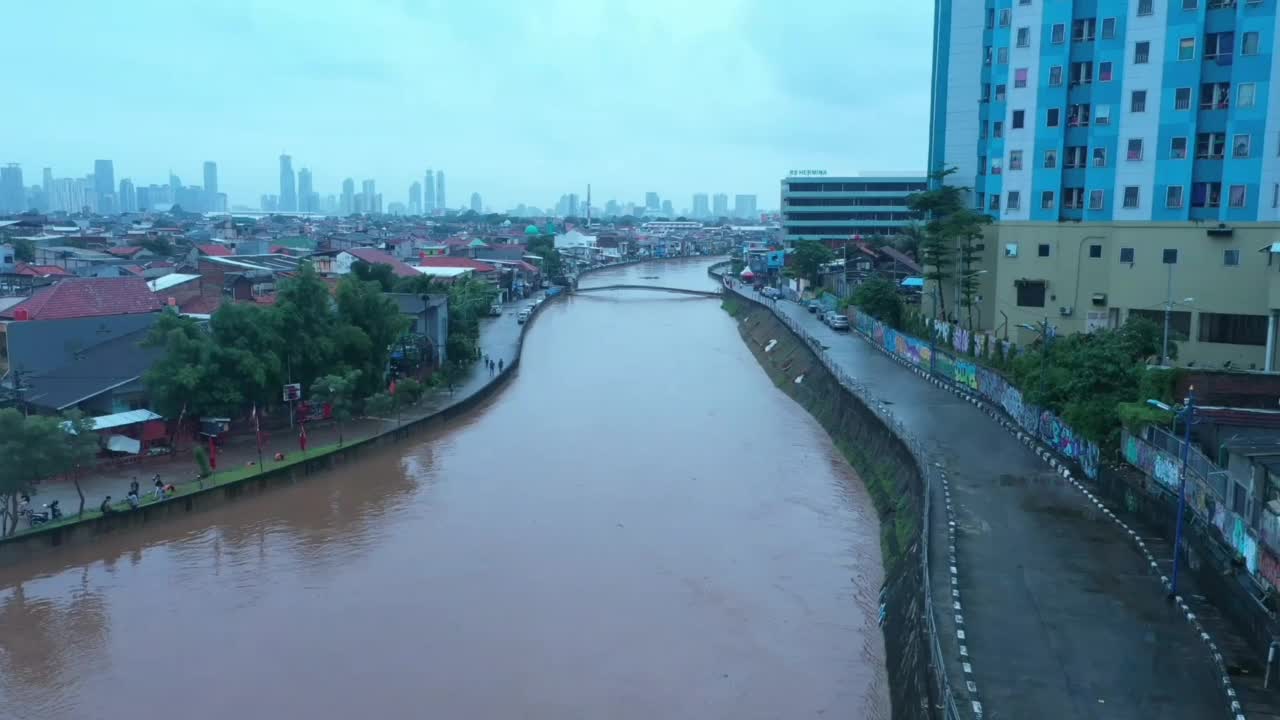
120 419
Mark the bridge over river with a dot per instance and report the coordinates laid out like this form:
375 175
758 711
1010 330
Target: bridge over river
659 288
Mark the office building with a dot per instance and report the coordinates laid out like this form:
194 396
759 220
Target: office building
476 204
127 196
104 185
288 200
667 209
13 194
415 198
370 195
348 204
720 205
305 193
1127 154
429 194
833 209
651 202
744 206
611 208
47 186
269 203
701 205
211 184
440 202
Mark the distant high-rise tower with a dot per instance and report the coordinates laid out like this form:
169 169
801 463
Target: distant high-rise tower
288 201
348 202
720 205
13 194
369 193
304 190
415 198
744 206
476 204
127 197
651 201
104 184
429 194
668 209
211 186
701 206
573 209
440 203
47 186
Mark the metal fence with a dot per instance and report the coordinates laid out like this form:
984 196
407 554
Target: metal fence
1197 462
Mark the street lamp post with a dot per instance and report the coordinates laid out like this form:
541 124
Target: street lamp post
1187 414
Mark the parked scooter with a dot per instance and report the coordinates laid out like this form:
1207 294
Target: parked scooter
51 512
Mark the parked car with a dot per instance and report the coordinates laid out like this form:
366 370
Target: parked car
826 317
839 322
770 292
523 315
814 306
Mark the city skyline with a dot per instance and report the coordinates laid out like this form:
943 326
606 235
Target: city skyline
339 88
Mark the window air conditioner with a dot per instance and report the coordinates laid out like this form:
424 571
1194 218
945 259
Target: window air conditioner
1066 311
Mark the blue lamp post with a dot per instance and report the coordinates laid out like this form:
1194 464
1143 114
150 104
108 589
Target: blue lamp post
1187 414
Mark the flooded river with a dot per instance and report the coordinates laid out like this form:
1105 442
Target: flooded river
638 526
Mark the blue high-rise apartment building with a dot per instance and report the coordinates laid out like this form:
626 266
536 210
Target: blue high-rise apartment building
1110 110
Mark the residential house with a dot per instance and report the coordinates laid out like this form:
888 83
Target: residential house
344 259
429 317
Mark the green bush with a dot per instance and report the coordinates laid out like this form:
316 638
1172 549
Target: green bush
202 461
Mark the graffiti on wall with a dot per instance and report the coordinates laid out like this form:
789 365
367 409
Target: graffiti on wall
1269 568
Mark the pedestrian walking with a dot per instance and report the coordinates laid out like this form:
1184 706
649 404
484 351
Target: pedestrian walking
133 485
499 365
159 487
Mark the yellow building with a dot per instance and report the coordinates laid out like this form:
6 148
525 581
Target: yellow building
1221 282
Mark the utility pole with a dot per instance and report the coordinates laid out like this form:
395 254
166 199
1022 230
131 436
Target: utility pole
17 391
1188 415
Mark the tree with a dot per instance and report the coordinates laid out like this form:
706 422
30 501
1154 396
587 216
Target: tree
363 309
247 355
544 246
79 446
951 228
180 378
339 392
30 450
375 272
420 285
24 250
808 259
469 300
880 299
908 240
307 324
158 245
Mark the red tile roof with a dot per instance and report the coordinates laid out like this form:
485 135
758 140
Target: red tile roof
214 250
41 270
127 251
89 297
455 262
134 269
201 304
527 267
377 257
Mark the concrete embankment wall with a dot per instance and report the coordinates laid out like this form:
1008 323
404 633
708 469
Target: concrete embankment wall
887 467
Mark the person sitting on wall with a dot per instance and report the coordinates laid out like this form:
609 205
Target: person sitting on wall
105 507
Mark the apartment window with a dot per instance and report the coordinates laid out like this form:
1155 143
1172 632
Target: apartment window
1078 115
986 93
1058 34
1052 117
1014 200
1233 329
1095 199
1051 158
1015 159
1102 115
1083 30
1024 37
1246 95
1030 293
1131 196
1182 99
1249 43
1275 195
1141 53
1019 118
1126 255
1134 151
993 202
1210 146
1138 101
1231 258
1005 15
1055 75
1000 92
1236 196
1178 148
1046 200
1095 251
1020 78
1011 250
996 166
1144 7
1024 2
1002 56
997 129
991 18
980 199
1240 146
1173 197
1215 95
1076 155
982 164
1104 72
1081 73
1099 157
1169 256
1206 194
1219 44
1108 28
1073 198
1187 49
1189 4
1043 248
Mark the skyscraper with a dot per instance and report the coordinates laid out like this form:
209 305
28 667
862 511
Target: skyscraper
415 198
651 201
288 201
13 194
573 210
701 206
440 202
667 209
429 196
211 186
720 205
744 206
104 184
127 197
369 193
476 204
47 185
305 195
348 203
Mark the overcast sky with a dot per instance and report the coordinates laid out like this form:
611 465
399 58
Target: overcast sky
519 100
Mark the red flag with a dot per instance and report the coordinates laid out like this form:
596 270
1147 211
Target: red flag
392 390
213 453
302 436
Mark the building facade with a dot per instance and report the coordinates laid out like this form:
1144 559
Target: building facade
440 200
720 205
836 208
288 200
744 206
701 205
429 193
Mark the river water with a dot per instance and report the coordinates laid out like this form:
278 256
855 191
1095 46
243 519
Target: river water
638 526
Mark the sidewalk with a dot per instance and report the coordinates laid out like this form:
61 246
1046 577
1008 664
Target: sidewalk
1062 618
499 338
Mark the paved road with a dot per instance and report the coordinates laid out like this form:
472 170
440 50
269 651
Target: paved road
1062 619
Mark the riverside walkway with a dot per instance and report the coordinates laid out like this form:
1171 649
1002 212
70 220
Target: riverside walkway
1061 616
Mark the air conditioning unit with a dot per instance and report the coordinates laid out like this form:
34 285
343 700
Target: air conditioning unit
1066 311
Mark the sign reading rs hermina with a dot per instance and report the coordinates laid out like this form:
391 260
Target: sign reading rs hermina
806 173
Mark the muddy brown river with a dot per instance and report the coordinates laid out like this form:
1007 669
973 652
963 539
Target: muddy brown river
638 526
